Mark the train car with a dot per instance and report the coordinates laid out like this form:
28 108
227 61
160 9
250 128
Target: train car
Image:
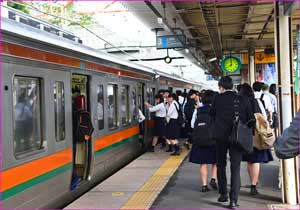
42 74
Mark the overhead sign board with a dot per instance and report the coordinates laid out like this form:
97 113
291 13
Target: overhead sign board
260 58
170 41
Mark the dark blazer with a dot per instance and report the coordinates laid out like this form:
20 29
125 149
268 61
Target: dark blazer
222 111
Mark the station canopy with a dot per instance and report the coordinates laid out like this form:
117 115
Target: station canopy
217 28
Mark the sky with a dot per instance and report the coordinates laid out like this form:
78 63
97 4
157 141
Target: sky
115 24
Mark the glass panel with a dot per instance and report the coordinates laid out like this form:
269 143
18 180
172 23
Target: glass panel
59 109
27 126
100 108
134 108
125 114
112 98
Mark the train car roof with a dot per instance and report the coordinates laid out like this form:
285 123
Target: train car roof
23 30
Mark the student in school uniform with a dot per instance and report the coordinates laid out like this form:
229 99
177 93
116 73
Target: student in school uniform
204 154
160 119
172 130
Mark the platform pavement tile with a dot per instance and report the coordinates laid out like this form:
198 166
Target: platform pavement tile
99 200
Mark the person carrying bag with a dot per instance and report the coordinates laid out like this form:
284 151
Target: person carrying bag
242 134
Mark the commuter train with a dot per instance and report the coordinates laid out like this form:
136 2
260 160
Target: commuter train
41 72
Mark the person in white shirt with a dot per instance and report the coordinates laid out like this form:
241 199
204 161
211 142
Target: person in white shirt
173 127
264 101
273 96
160 117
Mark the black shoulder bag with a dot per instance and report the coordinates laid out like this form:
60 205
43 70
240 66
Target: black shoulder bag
241 134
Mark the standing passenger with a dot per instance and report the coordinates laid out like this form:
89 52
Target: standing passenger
273 96
159 122
257 156
188 112
172 127
222 111
204 153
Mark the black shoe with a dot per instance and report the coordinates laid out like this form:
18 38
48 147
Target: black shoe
253 190
175 153
177 150
170 148
205 188
151 149
187 145
213 184
233 205
223 198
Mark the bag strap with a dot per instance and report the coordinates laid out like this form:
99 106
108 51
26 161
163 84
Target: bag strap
236 105
176 108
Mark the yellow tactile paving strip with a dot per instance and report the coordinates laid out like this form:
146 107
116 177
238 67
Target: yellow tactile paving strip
146 195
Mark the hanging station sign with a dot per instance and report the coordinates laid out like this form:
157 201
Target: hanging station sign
171 41
260 58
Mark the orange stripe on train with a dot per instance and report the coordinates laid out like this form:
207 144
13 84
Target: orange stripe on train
15 176
115 137
34 54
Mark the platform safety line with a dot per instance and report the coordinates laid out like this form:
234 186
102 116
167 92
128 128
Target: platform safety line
147 194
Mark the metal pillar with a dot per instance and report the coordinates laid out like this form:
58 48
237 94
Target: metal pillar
251 64
284 62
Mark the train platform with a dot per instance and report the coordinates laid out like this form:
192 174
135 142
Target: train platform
159 181
136 186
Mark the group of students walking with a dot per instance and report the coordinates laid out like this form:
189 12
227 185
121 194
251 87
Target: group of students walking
208 123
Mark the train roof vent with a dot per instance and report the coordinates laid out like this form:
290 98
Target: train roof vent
24 18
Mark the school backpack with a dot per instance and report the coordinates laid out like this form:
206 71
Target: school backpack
264 137
180 119
83 126
203 128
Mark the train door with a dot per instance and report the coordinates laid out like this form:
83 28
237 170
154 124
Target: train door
141 106
82 149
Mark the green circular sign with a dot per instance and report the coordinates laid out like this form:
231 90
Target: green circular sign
231 64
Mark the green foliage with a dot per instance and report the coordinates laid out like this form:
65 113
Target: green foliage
19 6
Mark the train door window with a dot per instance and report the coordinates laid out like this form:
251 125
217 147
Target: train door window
27 115
125 111
100 107
133 107
149 100
59 111
112 101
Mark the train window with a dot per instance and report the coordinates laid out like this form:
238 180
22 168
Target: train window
112 101
125 111
134 108
27 115
100 107
59 111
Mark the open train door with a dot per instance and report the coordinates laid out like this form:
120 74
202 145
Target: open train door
82 130
141 106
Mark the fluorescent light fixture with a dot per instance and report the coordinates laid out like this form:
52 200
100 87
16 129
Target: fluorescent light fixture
187 50
212 59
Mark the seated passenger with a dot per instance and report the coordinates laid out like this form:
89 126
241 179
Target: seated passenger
204 147
160 119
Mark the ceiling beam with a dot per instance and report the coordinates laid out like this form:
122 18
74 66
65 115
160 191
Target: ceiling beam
209 15
290 7
266 24
249 16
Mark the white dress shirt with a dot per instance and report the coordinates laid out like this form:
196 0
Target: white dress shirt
194 118
257 96
159 109
172 111
273 100
268 104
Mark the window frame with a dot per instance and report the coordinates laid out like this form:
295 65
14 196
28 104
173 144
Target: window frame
103 105
43 140
127 103
116 109
64 111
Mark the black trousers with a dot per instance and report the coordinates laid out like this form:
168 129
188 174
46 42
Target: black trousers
235 163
